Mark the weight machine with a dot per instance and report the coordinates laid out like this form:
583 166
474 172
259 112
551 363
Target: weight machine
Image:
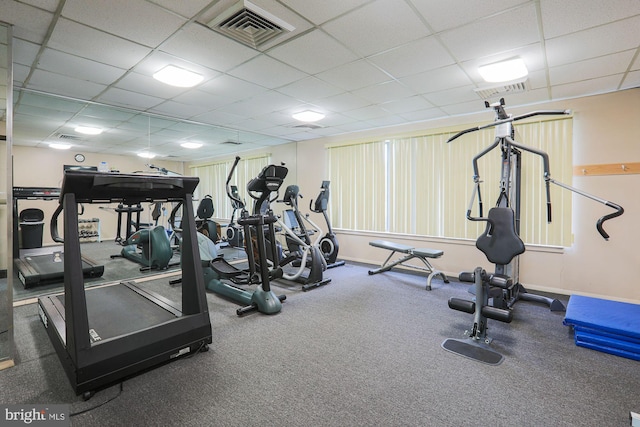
501 242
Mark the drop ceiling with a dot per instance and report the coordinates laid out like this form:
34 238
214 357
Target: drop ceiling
365 64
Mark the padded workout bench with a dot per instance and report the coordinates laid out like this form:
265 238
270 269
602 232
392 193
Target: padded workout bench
410 253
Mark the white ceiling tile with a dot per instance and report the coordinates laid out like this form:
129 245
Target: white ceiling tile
406 105
378 26
369 112
313 52
469 107
183 8
442 15
219 117
422 115
382 92
204 46
616 37
267 72
415 57
89 43
260 104
24 52
202 99
62 85
436 80
568 16
231 89
354 75
115 96
136 20
20 74
452 96
30 23
320 12
309 89
158 60
342 102
506 31
80 68
594 86
147 85
591 68
177 109
632 80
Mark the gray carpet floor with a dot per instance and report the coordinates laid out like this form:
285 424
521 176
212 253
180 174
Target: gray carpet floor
360 351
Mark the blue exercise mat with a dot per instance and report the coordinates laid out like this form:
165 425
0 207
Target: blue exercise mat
609 326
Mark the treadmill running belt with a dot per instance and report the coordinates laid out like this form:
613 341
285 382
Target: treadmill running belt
47 268
118 310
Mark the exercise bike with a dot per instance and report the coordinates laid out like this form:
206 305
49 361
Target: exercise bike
303 253
329 243
149 247
262 299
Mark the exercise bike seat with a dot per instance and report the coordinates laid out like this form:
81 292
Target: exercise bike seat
500 243
205 208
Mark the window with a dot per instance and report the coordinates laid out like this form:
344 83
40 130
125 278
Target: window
422 185
213 178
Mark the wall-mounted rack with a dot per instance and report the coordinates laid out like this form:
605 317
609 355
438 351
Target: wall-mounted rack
607 169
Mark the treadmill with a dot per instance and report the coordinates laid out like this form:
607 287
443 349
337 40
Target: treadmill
43 265
105 334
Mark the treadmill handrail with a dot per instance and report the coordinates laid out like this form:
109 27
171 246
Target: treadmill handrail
107 187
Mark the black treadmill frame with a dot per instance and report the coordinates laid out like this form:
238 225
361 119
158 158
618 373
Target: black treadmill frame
92 364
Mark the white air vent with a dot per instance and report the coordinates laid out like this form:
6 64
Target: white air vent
67 137
249 24
503 89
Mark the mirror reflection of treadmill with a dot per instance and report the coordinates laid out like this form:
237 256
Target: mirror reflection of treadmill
105 334
39 266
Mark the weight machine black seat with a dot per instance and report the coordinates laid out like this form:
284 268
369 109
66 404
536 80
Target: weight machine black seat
500 243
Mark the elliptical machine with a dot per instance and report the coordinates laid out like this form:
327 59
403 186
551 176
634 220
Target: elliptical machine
234 233
302 252
262 298
329 243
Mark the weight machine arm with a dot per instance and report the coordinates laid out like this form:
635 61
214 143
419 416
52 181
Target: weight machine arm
500 114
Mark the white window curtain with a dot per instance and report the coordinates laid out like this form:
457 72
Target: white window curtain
422 185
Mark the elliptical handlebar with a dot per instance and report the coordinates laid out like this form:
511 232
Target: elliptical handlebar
228 185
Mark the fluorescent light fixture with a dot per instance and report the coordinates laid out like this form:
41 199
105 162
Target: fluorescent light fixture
59 146
191 145
176 76
504 71
308 116
88 130
146 155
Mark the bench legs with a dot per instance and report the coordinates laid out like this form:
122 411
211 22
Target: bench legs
387 265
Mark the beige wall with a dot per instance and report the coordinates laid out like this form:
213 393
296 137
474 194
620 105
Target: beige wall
606 130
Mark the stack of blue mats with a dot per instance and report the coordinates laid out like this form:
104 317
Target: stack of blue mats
608 326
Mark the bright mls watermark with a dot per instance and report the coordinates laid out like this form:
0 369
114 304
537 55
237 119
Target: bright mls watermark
34 415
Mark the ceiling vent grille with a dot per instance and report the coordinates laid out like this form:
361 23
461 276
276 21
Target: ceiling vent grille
503 89
67 137
249 24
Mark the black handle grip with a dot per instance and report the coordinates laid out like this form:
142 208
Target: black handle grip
462 132
619 211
